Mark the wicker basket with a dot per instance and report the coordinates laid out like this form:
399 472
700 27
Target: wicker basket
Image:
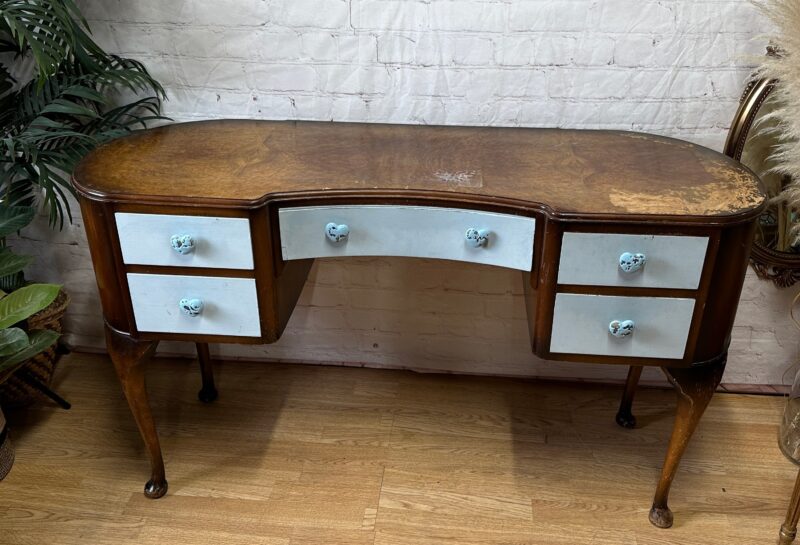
16 393
6 450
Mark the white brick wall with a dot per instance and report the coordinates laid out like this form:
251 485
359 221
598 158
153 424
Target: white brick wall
672 67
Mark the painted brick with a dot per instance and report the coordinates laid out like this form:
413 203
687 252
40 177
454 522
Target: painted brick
432 82
346 79
468 16
316 13
279 77
237 13
585 84
629 16
360 48
389 14
550 16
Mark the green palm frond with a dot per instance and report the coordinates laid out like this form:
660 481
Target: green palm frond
48 29
52 121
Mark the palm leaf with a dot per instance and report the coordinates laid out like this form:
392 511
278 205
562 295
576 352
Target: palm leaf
14 218
47 28
51 122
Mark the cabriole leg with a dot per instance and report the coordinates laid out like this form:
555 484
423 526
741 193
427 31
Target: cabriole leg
208 392
624 416
694 386
129 356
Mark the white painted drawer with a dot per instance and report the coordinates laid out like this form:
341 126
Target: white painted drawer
580 325
230 305
412 231
219 242
592 259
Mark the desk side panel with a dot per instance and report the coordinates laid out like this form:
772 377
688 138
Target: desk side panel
725 289
98 223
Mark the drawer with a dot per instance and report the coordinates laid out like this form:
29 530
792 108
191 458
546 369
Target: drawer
411 231
145 239
229 305
581 325
593 259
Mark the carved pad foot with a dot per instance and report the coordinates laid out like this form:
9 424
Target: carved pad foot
626 420
154 489
661 517
207 395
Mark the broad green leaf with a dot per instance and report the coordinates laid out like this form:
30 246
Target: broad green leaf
26 301
11 263
14 218
40 339
12 340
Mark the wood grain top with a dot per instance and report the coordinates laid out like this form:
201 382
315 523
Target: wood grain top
242 163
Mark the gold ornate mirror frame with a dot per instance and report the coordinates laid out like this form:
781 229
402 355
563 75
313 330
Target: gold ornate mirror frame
783 268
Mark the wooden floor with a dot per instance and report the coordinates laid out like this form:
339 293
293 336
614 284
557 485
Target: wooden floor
335 456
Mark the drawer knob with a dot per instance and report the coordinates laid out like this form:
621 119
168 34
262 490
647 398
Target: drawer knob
477 237
629 262
183 244
621 328
191 307
337 233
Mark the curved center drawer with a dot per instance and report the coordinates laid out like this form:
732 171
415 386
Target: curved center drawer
503 240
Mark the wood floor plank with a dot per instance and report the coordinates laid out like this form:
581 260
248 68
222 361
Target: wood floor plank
309 455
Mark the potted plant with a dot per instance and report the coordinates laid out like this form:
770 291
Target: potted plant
61 95
18 345
18 341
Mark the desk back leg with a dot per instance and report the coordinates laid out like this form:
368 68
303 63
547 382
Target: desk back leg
625 417
694 386
208 392
129 356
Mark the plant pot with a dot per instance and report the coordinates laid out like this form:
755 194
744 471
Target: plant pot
15 392
6 450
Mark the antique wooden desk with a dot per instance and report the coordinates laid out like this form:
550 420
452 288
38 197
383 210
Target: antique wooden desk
632 247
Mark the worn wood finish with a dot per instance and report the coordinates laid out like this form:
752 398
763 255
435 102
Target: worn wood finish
694 388
618 173
317 455
567 181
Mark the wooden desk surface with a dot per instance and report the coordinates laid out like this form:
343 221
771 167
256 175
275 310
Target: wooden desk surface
241 163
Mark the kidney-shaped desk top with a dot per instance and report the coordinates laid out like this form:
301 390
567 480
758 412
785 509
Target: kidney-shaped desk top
632 247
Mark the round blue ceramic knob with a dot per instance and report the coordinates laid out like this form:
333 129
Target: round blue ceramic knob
477 237
629 262
183 244
621 328
191 307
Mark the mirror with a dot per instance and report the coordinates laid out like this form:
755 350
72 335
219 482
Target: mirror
776 249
